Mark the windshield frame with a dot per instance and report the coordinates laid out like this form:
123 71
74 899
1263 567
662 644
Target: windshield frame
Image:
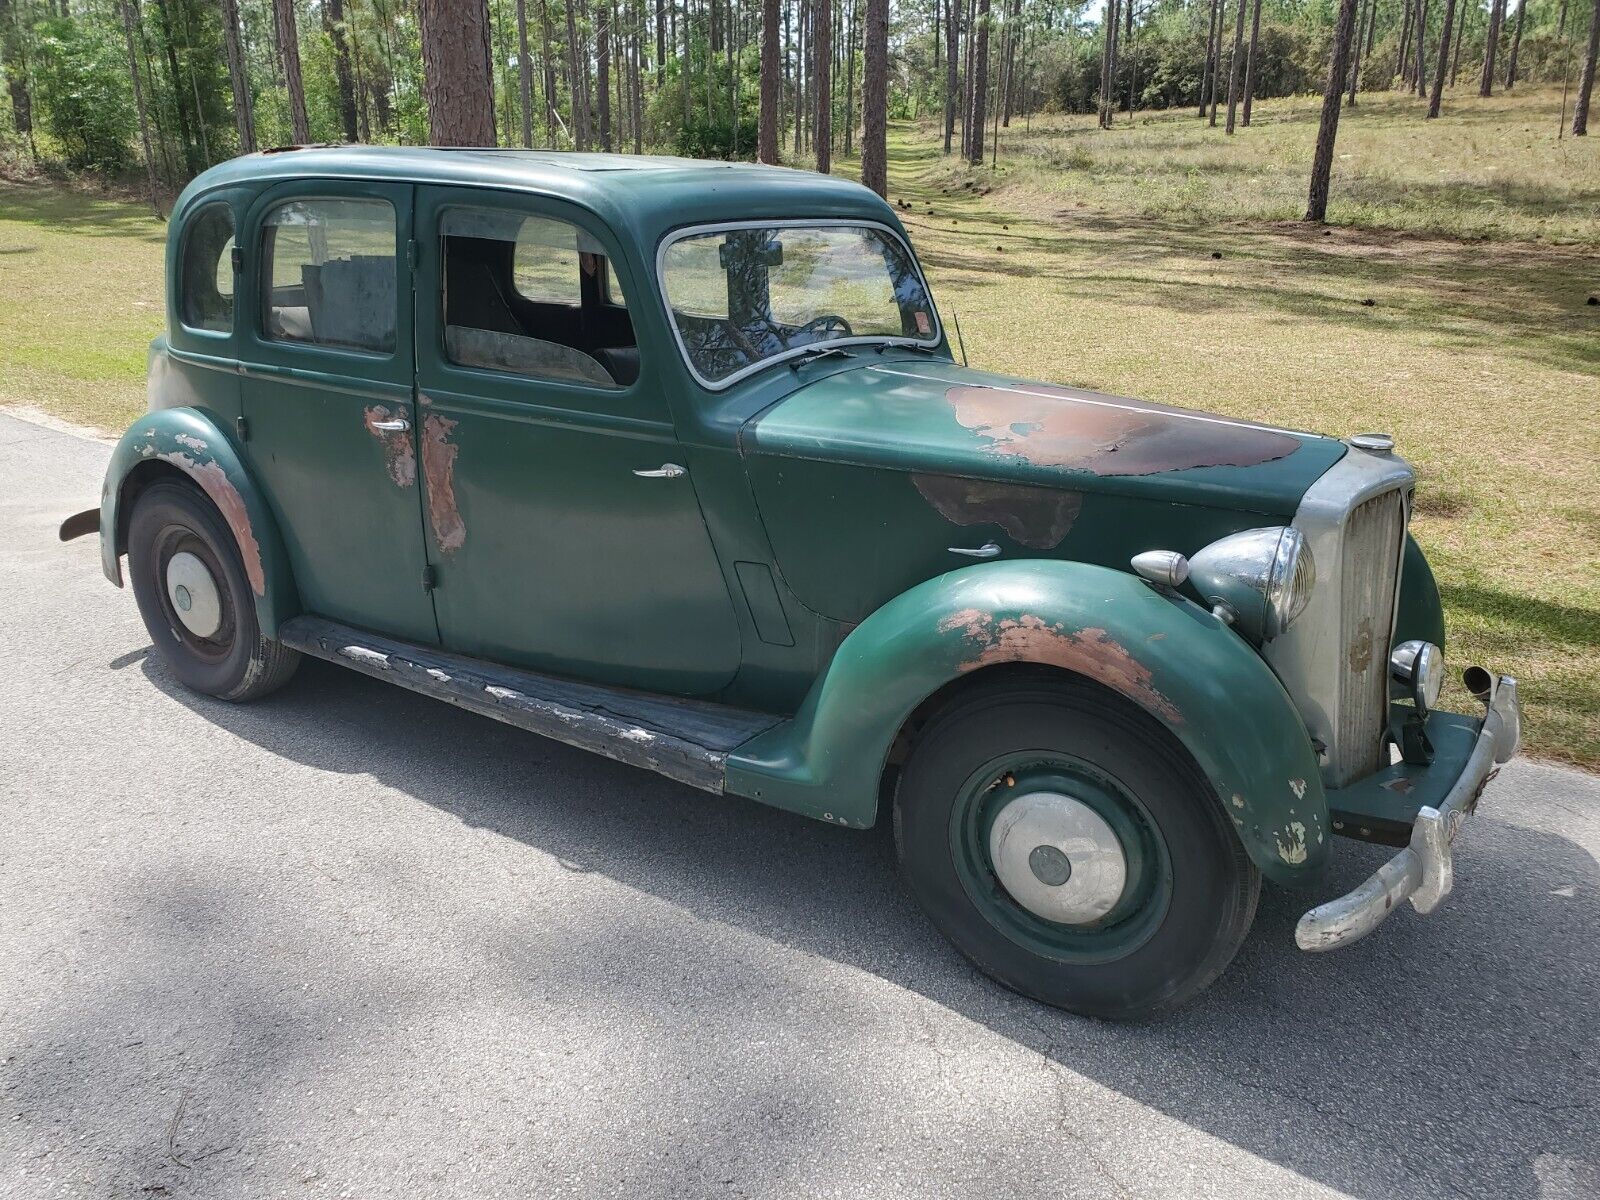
717 385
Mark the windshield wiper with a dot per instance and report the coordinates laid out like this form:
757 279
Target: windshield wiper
917 346
814 352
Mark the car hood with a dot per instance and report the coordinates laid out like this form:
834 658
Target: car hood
937 417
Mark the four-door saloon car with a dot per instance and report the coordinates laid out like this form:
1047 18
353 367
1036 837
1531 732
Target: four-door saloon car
672 461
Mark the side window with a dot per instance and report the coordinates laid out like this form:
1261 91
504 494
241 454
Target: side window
206 270
533 296
328 274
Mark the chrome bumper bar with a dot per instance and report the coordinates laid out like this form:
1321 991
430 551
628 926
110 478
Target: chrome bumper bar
1423 871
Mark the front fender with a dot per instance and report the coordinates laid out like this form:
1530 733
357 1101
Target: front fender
1421 612
1171 657
191 441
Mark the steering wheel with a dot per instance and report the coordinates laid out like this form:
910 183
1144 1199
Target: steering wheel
828 323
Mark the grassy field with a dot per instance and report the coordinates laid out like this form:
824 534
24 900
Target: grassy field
1482 357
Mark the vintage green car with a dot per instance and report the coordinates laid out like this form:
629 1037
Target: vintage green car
672 461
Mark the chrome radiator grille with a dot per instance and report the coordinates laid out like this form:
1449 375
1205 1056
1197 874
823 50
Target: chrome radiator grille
1369 582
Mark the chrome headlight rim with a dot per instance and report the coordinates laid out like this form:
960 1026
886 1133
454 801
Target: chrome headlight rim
1417 668
1262 578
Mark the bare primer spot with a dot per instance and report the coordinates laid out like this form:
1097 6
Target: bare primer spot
1092 653
439 470
214 482
1107 435
1037 517
399 459
1292 843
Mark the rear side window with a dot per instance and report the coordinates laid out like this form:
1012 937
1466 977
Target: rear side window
328 272
206 294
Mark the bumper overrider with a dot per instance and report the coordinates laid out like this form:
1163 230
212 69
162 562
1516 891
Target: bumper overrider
1423 871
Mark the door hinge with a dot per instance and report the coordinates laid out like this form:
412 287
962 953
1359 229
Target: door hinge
242 428
413 254
430 577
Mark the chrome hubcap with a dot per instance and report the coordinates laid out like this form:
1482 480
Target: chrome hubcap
1058 858
194 595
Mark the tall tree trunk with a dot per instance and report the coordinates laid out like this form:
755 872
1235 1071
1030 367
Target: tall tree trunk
602 65
138 96
802 17
980 83
524 73
660 63
1461 29
1108 38
1328 129
547 72
850 113
875 99
333 22
14 62
771 81
457 81
822 51
1211 59
1216 65
1491 47
1235 65
952 80
289 58
1580 114
1444 53
575 84
1516 45
1402 62
1355 51
1420 78
969 25
244 119
1250 61
1013 27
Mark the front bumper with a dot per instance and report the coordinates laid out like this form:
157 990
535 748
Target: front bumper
1423 871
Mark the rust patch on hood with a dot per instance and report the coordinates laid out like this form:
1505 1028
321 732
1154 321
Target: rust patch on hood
439 472
1107 435
1092 652
1037 517
214 482
399 458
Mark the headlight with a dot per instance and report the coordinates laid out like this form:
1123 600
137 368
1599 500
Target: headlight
1265 576
1418 667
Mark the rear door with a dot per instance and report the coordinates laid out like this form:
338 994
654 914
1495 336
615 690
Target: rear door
566 535
326 358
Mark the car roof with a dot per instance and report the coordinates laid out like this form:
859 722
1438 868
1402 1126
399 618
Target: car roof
645 195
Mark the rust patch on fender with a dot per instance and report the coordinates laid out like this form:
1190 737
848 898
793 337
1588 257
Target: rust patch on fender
399 459
1107 435
1037 517
214 482
439 473
1092 652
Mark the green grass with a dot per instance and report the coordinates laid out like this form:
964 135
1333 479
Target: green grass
1483 358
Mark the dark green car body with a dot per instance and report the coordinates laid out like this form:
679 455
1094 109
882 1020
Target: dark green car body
808 565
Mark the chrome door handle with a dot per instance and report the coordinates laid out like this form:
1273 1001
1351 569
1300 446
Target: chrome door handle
394 425
987 550
664 471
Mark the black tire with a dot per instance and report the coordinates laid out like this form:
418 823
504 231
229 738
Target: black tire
1166 947
236 663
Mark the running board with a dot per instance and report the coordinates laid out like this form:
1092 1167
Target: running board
686 740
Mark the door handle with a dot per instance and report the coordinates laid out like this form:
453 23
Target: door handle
664 471
987 550
393 425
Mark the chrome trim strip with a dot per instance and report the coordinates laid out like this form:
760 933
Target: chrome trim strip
1424 871
677 235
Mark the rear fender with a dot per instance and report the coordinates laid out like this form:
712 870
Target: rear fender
1171 657
191 441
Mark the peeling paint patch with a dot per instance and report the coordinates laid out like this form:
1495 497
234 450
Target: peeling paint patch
1400 786
1089 652
362 654
438 471
214 482
1292 848
1037 517
1298 787
1238 800
399 459
1105 435
198 445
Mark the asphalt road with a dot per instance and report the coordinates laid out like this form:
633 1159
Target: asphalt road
351 942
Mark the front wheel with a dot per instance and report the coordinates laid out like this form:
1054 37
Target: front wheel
1063 841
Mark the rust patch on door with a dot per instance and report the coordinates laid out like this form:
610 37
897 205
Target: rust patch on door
1092 652
1037 517
214 482
399 458
439 473
1108 435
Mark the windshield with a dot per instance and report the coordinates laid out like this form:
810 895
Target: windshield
742 296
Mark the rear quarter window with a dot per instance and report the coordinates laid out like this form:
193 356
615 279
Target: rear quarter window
206 270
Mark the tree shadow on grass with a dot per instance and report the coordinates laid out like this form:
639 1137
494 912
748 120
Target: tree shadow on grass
1326 1066
94 216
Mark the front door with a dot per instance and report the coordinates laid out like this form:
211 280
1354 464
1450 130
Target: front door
327 391
566 534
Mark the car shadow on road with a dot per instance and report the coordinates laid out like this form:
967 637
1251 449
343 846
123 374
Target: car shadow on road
1444 1055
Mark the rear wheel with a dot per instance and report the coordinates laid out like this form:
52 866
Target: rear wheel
196 603
1062 840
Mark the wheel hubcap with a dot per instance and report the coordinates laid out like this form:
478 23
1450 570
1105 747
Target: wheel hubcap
1058 858
194 594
